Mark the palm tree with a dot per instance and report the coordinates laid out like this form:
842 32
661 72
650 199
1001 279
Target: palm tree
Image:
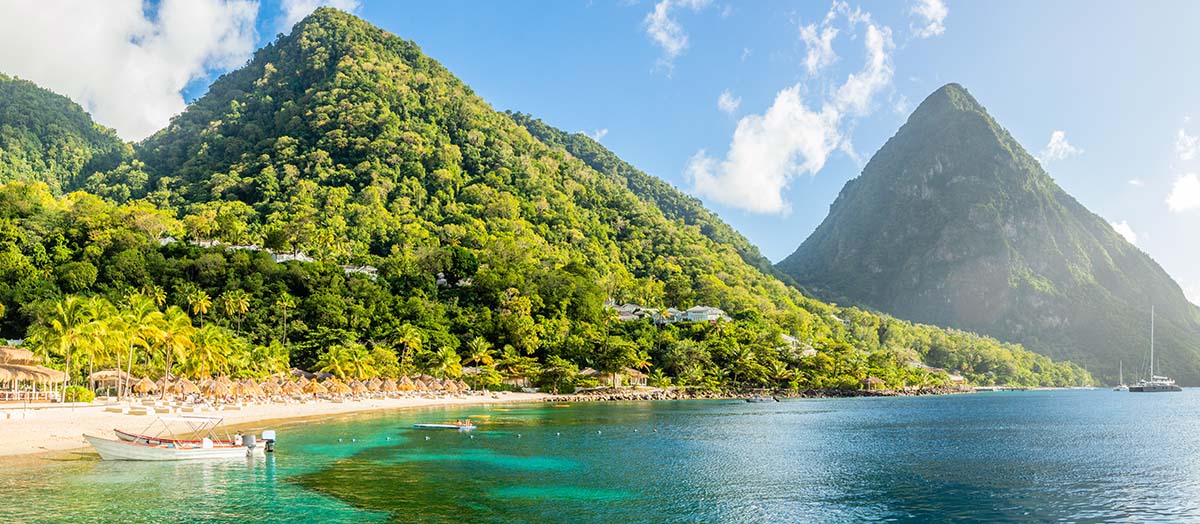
346 361
177 333
143 328
213 344
479 352
155 294
641 360
284 303
200 302
236 301
99 329
446 364
409 338
63 333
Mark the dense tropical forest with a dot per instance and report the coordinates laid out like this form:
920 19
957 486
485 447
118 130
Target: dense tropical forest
344 203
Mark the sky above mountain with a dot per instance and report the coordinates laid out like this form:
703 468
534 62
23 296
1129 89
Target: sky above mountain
762 109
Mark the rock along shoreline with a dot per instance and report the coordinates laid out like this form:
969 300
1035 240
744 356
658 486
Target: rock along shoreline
610 394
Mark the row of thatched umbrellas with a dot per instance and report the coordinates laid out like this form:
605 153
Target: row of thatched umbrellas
278 385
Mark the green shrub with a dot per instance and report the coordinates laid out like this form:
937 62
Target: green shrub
78 394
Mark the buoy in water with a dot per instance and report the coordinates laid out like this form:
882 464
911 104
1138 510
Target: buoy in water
426 438
339 440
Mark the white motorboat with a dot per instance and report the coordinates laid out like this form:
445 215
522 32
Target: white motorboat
200 444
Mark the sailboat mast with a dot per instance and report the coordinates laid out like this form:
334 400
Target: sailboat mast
1151 342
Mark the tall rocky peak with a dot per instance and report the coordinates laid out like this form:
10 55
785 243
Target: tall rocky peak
953 223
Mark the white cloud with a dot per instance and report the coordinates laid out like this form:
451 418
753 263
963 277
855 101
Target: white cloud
1123 228
123 63
791 139
1185 194
1192 292
855 95
598 134
1058 148
745 53
820 46
293 11
1136 182
1186 145
728 103
766 152
666 31
933 17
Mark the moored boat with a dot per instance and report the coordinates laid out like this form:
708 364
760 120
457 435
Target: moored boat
201 443
115 449
1156 384
463 425
761 398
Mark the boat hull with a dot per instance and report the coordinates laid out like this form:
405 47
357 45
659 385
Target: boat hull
1155 389
444 426
124 450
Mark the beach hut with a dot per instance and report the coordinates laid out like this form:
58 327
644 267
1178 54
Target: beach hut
22 378
110 379
872 383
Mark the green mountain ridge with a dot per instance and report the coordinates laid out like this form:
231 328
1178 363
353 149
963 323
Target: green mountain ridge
346 143
48 138
953 223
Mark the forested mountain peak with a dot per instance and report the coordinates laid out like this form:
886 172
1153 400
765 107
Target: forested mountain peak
46 137
952 222
340 146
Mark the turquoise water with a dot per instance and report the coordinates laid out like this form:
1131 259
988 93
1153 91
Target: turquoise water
1062 456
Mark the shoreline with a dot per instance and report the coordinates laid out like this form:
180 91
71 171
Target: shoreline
612 395
45 433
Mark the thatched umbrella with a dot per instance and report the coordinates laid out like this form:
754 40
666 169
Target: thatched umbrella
271 388
217 388
357 387
388 386
291 388
12 355
302 382
183 386
450 386
145 385
420 385
314 388
463 386
373 384
337 387
405 384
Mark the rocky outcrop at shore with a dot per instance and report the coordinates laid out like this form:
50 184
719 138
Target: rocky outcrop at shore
619 394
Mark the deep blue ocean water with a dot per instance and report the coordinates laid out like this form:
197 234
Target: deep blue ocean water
1052 456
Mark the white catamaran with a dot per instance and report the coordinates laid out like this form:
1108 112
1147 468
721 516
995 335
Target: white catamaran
1156 384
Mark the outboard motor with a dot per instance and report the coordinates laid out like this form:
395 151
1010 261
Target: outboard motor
269 440
249 442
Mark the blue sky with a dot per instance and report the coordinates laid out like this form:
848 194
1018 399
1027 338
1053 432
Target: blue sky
1113 80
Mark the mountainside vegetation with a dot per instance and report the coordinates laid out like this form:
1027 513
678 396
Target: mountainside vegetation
345 199
48 138
953 223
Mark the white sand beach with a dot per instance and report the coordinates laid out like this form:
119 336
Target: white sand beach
41 429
